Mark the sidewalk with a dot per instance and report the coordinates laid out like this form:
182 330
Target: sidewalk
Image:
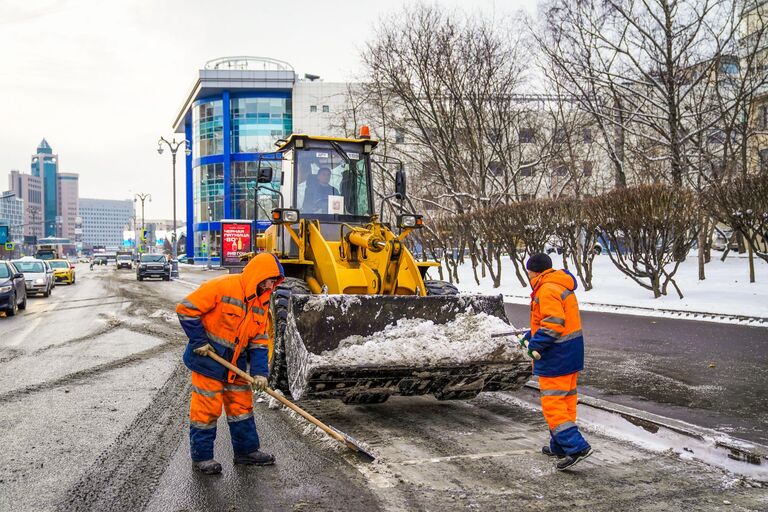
725 296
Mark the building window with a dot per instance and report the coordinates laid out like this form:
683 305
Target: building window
763 155
399 137
560 136
326 108
258 122
207 129
313 108
587 168
244 175
208 192
587 133
525 136
560 170
762 117
495 168
527 169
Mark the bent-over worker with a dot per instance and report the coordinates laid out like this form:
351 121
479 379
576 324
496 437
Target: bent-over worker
228 315
556 334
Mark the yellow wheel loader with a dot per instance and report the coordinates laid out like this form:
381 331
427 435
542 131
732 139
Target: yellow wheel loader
356 318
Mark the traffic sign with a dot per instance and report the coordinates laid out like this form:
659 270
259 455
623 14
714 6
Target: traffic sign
9 246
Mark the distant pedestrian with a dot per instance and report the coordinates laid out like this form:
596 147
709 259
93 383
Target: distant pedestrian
556 334
228 315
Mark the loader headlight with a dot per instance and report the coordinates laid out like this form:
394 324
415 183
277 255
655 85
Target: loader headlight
409 221
285 216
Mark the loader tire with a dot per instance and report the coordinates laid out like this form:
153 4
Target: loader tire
437 288
281 298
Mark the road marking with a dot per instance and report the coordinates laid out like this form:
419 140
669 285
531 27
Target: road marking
466 456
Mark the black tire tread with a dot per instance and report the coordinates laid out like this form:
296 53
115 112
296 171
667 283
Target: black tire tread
281 297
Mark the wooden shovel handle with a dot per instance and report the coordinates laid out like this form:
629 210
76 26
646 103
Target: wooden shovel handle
280 398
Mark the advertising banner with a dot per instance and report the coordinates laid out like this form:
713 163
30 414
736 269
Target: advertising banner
235 241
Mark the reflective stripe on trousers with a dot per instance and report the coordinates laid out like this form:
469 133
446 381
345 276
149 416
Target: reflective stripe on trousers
208 398
558 399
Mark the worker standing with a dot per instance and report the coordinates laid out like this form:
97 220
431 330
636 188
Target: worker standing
228 315
556 334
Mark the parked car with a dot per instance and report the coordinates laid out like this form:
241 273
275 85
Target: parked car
13 289
153 265
124 261
38 275
63 271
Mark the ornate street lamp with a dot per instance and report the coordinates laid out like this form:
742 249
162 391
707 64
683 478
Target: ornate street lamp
174 147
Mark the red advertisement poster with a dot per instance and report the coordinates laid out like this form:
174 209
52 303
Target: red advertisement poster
235 241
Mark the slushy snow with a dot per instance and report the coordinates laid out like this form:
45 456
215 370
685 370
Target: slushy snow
467 338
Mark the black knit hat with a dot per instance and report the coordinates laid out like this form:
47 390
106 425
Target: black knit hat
539 263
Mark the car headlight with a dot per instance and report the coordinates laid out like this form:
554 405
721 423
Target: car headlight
39 281
142 266
4 289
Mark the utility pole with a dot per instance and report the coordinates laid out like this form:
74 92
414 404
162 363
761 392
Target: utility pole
142 198
174 147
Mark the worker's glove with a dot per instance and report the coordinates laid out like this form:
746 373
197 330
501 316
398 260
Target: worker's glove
201 351
527 336
522 342
530 354
259 383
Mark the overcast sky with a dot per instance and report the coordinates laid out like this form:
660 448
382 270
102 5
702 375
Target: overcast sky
102 80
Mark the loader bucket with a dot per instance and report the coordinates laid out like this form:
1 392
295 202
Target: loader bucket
363 348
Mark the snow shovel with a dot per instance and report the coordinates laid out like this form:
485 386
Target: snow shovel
534 353
347 440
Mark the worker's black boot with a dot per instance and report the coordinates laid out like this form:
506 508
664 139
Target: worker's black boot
546 450
209 467
571 460
256 458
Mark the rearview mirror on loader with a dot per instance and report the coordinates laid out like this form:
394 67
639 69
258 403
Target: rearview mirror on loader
400 186
265 175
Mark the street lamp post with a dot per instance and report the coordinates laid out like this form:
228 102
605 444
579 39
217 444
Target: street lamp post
142 198
174 147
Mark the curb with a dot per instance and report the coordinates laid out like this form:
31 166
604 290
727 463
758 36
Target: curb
687 440
679 314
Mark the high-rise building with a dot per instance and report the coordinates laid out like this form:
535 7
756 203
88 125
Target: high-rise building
104 221
12 215
30 189
68 195
45 165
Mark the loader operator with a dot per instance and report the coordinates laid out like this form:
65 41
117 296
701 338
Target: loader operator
556 334
228 315
318 190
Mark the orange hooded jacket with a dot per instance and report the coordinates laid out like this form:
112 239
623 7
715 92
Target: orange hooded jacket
226 313
556 324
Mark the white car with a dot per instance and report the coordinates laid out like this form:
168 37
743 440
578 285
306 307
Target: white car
38 275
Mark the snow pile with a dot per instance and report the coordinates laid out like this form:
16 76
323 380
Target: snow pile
409 341
726 291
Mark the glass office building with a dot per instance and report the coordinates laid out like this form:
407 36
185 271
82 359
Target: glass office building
237 108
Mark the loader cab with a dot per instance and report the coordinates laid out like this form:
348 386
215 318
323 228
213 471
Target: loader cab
328 179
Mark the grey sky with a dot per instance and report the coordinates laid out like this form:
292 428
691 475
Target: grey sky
102 80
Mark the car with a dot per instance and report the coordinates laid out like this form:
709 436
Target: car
38 275
124 261
153 265
13 289
63 271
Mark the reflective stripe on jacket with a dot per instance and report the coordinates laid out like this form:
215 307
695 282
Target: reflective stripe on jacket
227 313
556 324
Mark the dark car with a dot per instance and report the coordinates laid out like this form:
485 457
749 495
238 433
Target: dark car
153 265
13 289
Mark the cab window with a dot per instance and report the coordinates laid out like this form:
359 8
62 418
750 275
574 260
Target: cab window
327 184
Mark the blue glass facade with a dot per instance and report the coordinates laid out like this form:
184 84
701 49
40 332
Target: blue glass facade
229 133
45 164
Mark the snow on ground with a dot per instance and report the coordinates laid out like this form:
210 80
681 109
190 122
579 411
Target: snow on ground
469 337
726 290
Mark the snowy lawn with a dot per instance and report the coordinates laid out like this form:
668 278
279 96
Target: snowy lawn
726 291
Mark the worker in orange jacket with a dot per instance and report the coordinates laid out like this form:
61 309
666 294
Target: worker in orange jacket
228 315
556 334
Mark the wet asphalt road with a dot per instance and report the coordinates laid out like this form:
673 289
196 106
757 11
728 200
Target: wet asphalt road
93 416
662 365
